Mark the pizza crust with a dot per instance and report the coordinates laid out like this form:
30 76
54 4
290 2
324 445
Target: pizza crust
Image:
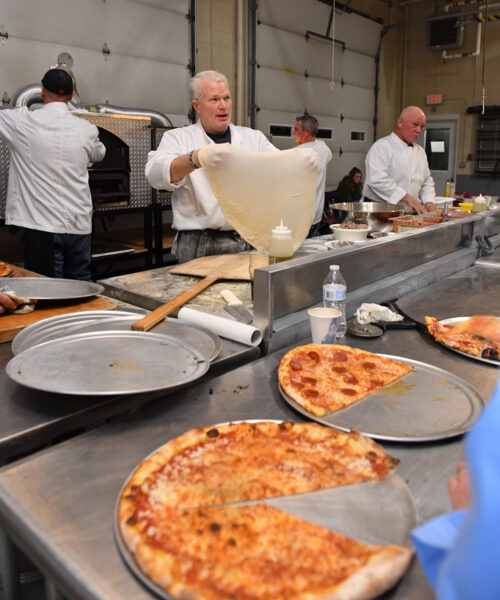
256 190
380 574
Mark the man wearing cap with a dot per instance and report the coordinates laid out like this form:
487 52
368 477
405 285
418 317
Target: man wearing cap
48 192
202 228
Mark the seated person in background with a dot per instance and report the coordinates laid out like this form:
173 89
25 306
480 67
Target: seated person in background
305 132
460 551
350 188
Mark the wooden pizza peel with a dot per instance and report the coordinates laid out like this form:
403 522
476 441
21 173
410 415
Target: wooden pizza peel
11 325
211 269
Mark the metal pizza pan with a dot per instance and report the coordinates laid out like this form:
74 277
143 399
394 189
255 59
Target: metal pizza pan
207 342
456 321
108 363
426 404
21 341
372 512
48 288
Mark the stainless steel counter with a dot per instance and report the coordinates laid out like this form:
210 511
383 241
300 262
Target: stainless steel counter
58 505
31 419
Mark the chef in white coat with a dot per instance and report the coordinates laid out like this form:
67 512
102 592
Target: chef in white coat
397 171
198 219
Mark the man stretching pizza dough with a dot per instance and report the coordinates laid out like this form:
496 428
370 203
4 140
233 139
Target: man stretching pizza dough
201 227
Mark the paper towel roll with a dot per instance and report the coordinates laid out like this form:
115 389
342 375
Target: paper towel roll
232 330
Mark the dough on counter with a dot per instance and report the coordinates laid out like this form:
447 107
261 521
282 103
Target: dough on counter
257 189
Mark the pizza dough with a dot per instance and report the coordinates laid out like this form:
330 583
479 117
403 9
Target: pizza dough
257 189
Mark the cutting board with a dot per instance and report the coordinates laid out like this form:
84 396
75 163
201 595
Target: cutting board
211 268
11 325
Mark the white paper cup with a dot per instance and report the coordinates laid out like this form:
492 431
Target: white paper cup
323 324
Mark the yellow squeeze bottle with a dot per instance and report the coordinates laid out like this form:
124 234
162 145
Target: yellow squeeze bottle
280 244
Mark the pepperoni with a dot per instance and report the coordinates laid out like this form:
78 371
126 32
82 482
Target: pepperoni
313 356
339 370
297 385
368 365
351 379
295 365
310 380
376 383
348 391
311 393
339 356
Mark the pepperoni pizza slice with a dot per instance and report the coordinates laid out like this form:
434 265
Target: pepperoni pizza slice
326 377
461 340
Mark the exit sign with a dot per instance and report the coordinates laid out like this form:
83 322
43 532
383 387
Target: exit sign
434 98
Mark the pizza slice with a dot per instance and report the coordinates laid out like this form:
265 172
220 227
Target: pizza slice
5 269
256 552
326 377
460 339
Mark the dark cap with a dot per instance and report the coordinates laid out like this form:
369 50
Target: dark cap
58 81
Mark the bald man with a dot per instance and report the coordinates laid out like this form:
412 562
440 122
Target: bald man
397 171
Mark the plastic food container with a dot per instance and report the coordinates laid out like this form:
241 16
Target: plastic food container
341 233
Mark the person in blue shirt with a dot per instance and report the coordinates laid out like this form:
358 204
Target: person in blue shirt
460 551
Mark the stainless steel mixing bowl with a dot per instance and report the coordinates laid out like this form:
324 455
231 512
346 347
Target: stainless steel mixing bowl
374 214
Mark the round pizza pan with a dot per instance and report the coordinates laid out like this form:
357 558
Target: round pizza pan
48 288
455 321
108 363
208 343
372 512
22 340
426 404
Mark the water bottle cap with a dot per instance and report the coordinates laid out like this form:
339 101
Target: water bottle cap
334 267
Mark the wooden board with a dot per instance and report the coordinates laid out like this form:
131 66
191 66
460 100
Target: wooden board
224 266
211 268
11 325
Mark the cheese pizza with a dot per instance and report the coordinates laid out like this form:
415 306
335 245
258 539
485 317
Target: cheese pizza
174 517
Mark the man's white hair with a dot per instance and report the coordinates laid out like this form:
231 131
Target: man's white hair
196 81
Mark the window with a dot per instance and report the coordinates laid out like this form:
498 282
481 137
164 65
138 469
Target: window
358 136
280 130
487 154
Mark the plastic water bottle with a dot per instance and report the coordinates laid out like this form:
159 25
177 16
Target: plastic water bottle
334 295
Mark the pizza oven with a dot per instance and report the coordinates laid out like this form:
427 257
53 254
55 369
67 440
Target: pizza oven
109 180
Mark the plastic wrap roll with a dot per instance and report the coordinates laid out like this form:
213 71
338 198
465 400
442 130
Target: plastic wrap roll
232 330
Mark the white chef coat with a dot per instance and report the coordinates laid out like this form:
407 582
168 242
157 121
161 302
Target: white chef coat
394 169
50 150
194 205
325 156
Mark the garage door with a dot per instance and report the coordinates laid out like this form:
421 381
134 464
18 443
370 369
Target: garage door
293 74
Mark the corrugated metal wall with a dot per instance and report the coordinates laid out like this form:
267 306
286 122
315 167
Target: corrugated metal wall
149 41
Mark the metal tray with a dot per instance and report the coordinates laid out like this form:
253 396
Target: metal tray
372 512
48 288
424 405
204 340
108 363
455 321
